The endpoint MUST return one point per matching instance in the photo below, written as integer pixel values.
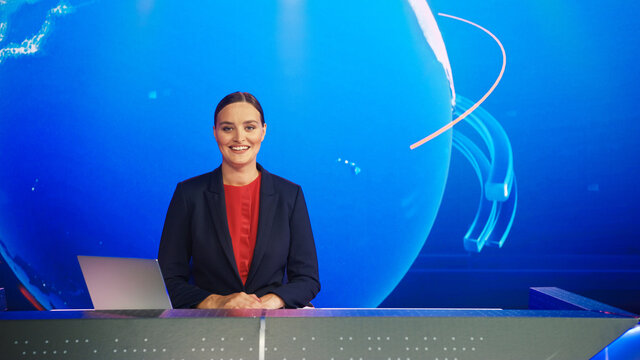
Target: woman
(230, 234)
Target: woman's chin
(237, 162)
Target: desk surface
(301, 313)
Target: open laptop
(124, 283)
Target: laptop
(124, 283)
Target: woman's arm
(302, 262)
(174, 254)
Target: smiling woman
(230, 234)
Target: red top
(243, 207)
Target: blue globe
(115, 107)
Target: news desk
(559, 325)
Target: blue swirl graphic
(498, 198)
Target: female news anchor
(231, 235)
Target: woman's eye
(250, 128)
(227, 128)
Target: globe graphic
(116, 106)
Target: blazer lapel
(218, 211)
(268, 200)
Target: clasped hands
(241, 300)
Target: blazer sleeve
(174, 253)
(303, 281)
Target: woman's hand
(238, 300)
(272, 301)
(241, 300)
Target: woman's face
(239, 133)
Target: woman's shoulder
(199, 182)
(279, 183)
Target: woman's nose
(240, 135)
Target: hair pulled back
(235, 97)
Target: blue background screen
(105, 106)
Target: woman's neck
(238, 176)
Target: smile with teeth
(239, 148)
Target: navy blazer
(196, 253)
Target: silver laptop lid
(124, 283)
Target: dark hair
(235, 97)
